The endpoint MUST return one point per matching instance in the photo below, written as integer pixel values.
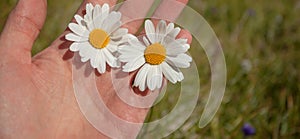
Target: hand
(36, 93)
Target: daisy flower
(159, 54)
(97, 35)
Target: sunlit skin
(36, 93)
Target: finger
(22, 28)
(169, 10)
(134, 12)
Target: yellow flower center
(155, 54)
(99, 38)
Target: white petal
(77, 29)
(186, 46)
(89, 12)
(134, 64)
(90, 26)
(175, 48)
(160, 30)
(111, 22)
(151, 83)
(170, 27)
(89, 8)
(129, 57)
(95, 60)
(119, 33)
(154, 77)
(79, 19)
(73, 37)
(105, 8)
(147, 43)
(170, 73)
(114, 27)
(88, 52)
(150, 31)
(112, 48)
(134, 42)
(75, 47)
(181, 61)
(97, 16)
(140, 79)
(174, 32)
(84, 59)
(110, 59)
(159, 78)
(128, 53)
(102, 64)
(126, 38)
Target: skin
(36, 93)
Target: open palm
(36, 93)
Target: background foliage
(261, 42)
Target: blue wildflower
(248, 129)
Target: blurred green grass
(262, 47)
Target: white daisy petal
(134, 64)
(170, 27)
(146, 41)
(89, 12)
(84, 59)
(75, 38)
(95, 60)
(114, 27)
(110, 59)
(126, 38)
(150, 31)
(174, 32)
(89, 8)
(186, 46)
(154, 77)
(140, 79)
(97, 16)
(181, 61)
(160, 30)
(129, 49)
(112, 48)
(159, 78)
(77, 29)
(79, 19)
(75, 47)
(90, 25)
(105, 8)
(119, 33)
(112, 22)
(88, 52)
(174, 48)
(126, 55)
(172, 75)
(102, 64)
(134, 42)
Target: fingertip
(22, 28)
(185, 34)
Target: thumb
(22, 28)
